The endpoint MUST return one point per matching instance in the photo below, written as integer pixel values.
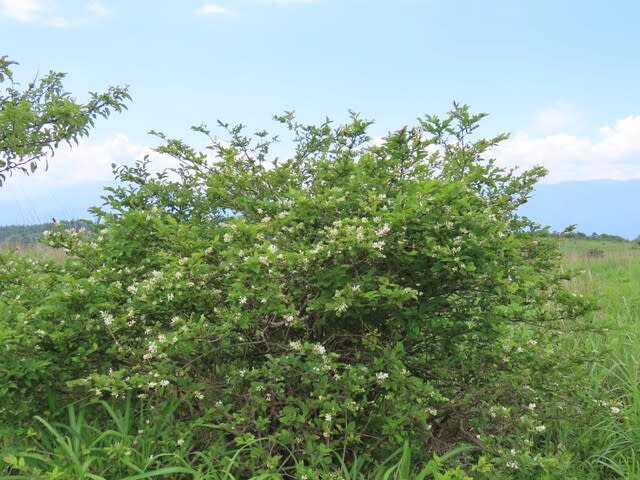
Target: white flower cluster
(384, 230)
(107, 318)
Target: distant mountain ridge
(31, 234)
(602, 206)
(62, 203)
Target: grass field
(610, 272)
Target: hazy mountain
(603, 206)
(64, 203)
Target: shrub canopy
(342, 299)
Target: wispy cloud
(97, 9)
(51, 13)
(558, 117)
(288, 2)
(87, 162)
(612, 154)
(213, 9)
(21, 10)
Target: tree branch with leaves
(36, 120)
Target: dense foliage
(36, 120)
(343, 302)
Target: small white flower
(540, 428)
(384, 230)
(355, 288)
(532, 342)
(242, 300)
(264, 260)
(164, 383)
(382, 376)
(328, 417)
(199, 395)
(227, 237)
(378, 245)
(341, 308)
(532, 406)
(513, 465)
(272, 248)
(180, 442)
(615, 410)
(107, 318)
(319, 349)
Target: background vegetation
(29, 235)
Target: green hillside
(25, 235)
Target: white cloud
(86, 162)
(51, 14)
(212, 9)
(21, 10)
(97, 9)
(613, 154)
(57, 21)
(288, 2)
(558, 117)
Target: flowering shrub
(343, 299)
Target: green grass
(610, 272)
(38, 251)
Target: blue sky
(561, 76)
